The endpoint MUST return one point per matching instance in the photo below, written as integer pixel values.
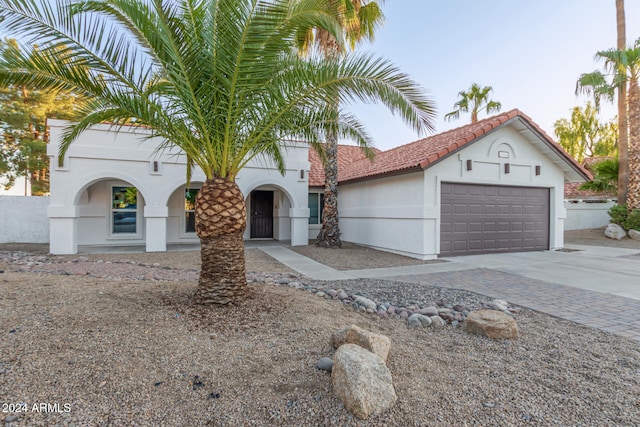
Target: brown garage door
(478, 219)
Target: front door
(262, 214)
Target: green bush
(627, 220)
(618, 214)
(632, 222)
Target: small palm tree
(216, 79)
(605, 177)
(474, 100)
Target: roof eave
(405, 171)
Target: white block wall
(583, 215)
(24, 219)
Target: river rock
(614, 231)
(634, 234)
(491, 324)
(365, 302)
(437, 321)
(375, 343)
(428, 311)
(362, 381)
(325, 364)
(417, 320)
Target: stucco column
(299, 226)
(63, 229)
(156, 228)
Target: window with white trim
(124, 210)
(190, 195)
(316, 205)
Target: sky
(530, 52)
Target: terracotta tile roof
(418, 155)
(424, 152)
(571, 192)
(347, 154)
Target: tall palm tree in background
(623, 66)
(623, 117)
(474, 100)
(217, 79)
(599, 86)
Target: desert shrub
(618, 214)
(632, 222)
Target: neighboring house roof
(572, 192)
(572, 189)
(423, 153)
(347, 154)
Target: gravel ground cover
(117, 343)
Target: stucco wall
(385, 213)
(24, 219)
(583, 215)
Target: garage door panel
(460, 227)
(490, 209)
(475, 245)
(485, 219)
(460, 245)
(460, 209)
(503, 244)
(475, 227)
(504, 226)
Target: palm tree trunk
(329, 235)
(221, 218)
(633, 194)
(623, 124)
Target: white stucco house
(493, 186)
(115, 189)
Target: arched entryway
(268, 213)
(261, 214)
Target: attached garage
(496, 185)
(479, 219)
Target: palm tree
(216, 79)
(474, 100)
(625, 67)
(623, 114)
(605, 177)
(598, 85)
(359, 20)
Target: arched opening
(268, 209)
(110, 213)
(181, 220)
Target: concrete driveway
(601, 269)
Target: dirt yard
(120, 351)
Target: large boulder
(362, 381)
(634, 234)
(614, 231)
(375, 343)
(492, 324)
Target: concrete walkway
(303, 265)
(591, 285)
